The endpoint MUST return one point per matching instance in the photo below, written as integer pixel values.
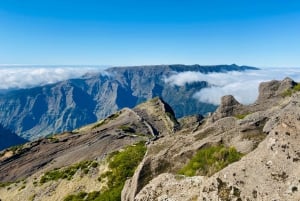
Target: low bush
(122, 165)
(241, 116)
(210, 160)
(289, 92)
(68, 173)
(127, 129)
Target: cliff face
(67, 105)
(259, 145)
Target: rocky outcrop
(270, 94)
(269, 172)
(264, 136)
(274, 89)
(229, 106)
(159, 116)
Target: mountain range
(239, 152)
(64, 106)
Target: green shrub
(241, 116)
(99, 124)
(127, 129)
(16, 149)
(289, 92)
(80, 196)
(68, 173)
(122, 165)
(297, 87)
(114, 116)
(105, 121)
(171, 116)
(53, 139)
(210, 160)
(4, 184)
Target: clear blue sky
(115, 32)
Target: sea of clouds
(18, 77)
(242, 85)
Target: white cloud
(16, 77)
(242, 85)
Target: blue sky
(115, 32)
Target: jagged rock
(274, 88)
(270, 94)
(228, 107)
(275, 158)
(159, 115)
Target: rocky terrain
(40, 111)
(240, 152)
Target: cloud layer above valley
(242, 85)
(14, 77)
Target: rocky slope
(36, 112)
(267, 134)
(249, 152)
(26, 164)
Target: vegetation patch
(105, 121)
(210, 160)
(99, 124)
(16, 149)
(171, 117)
(53, 139)
(127, 129)
(122, 165)
(114, 116)
(255, 137)
(4, 184)
(241, 116)
(68, 173)
(289, 92)
(2, 153)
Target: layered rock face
(37, 112)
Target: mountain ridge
(66, 105)
(265, 137)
